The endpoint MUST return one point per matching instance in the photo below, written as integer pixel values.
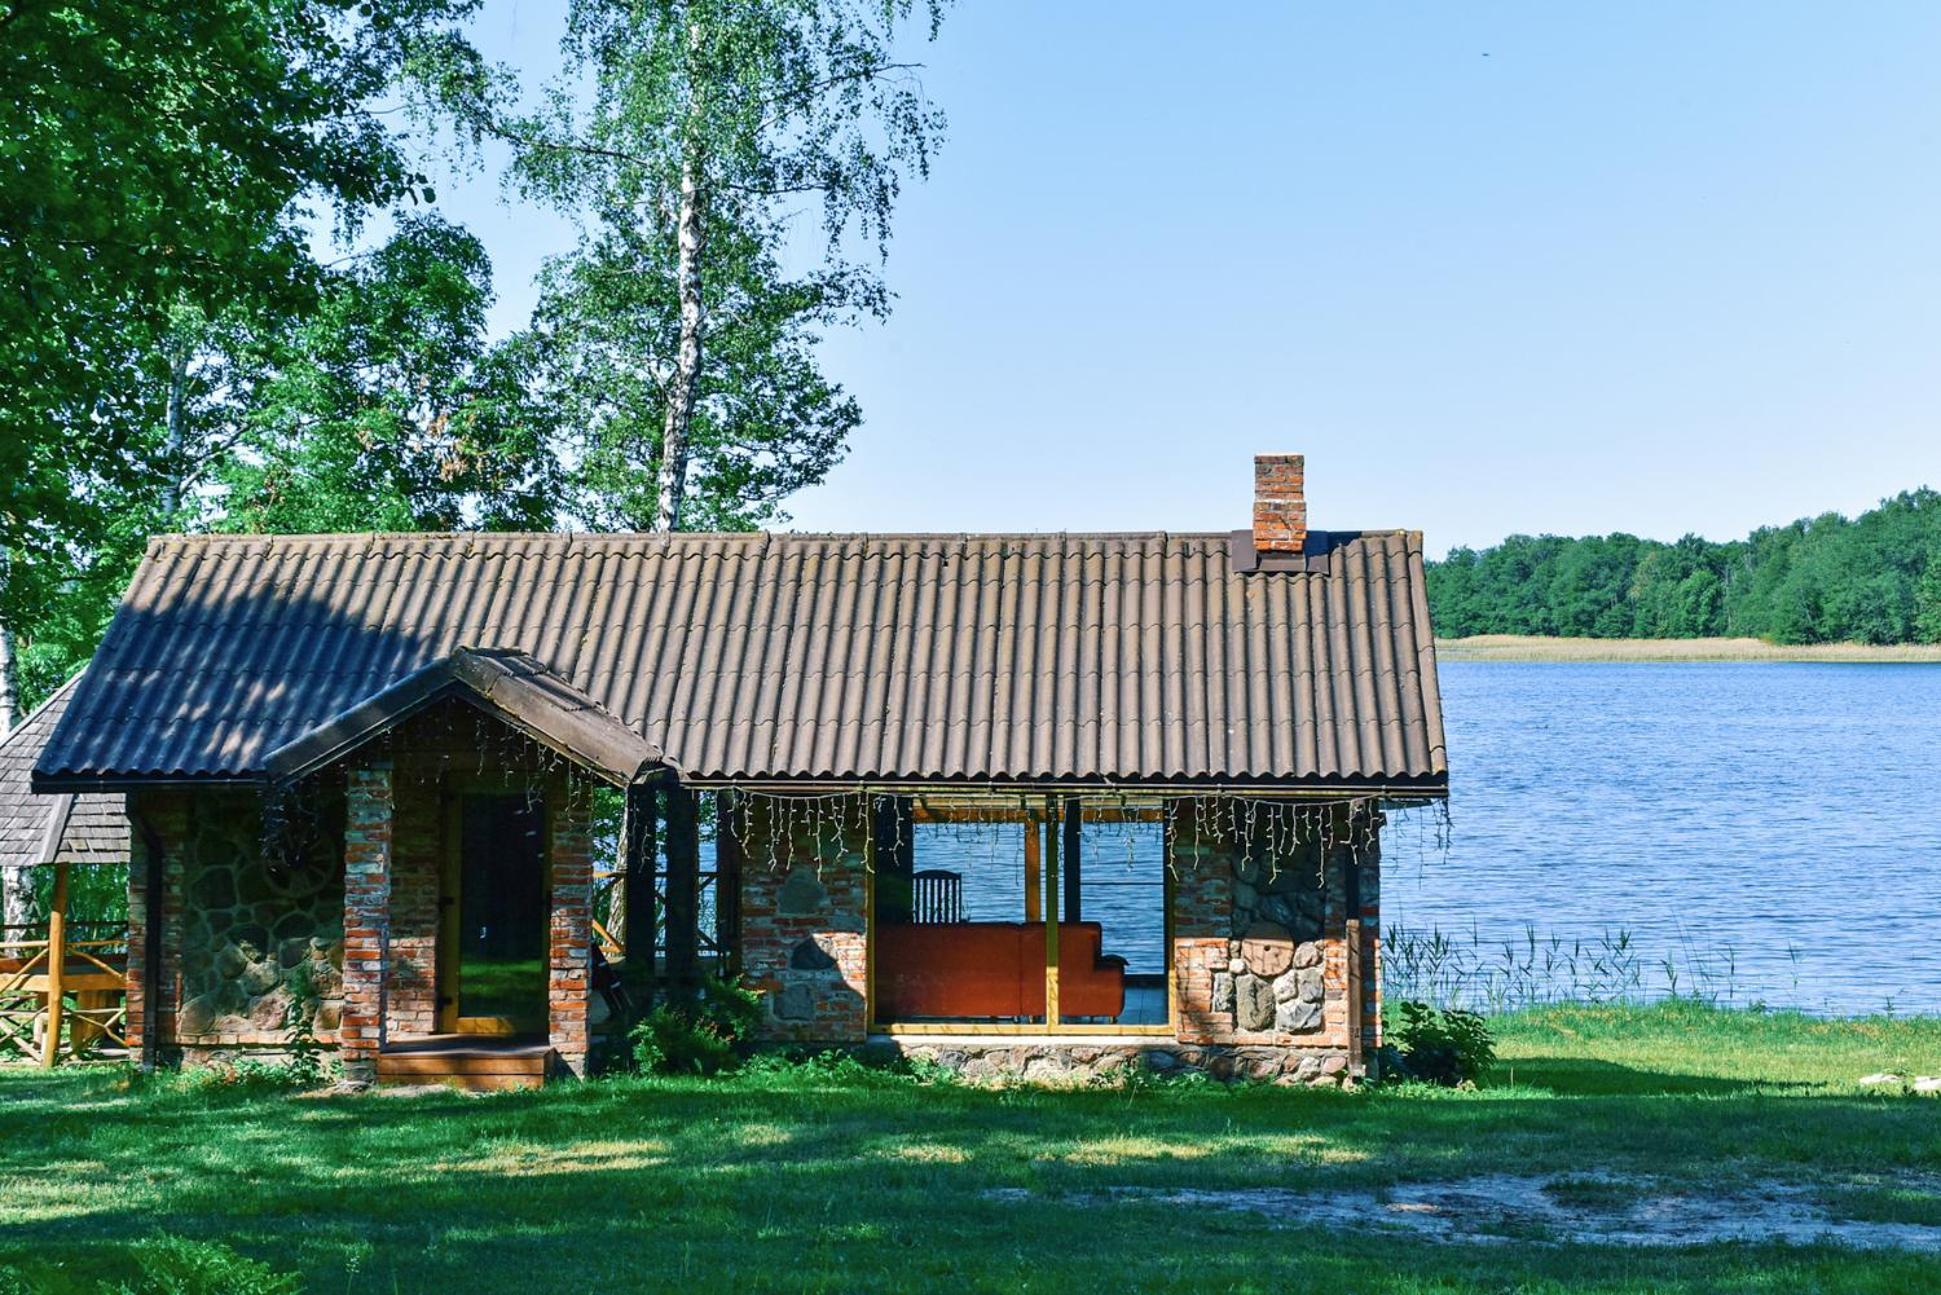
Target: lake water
(1761, 831)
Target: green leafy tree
(162, 167)
(679, 337)
(162, 157)
(387, 409)
(1927, 601)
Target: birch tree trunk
(9, 682)
(172, 450)
(687, 361)
(16, 884)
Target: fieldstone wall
(255, 941)
(1074, 1061)
(804, 906)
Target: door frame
(451, 872)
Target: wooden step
(470, 1062)
(465, 1083)
(477, 1063)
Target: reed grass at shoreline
(1535, 647)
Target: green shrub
(700, 1037)
(1448, 1046)
(172, 1265)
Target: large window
(1019, 916)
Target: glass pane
(1112, 932)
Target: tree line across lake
(1875, 578)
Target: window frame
(1043, 821)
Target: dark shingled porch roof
(96, 829)
(1139, 660)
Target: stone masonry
(252, 941)
(804, 901)
(1261, 936)
(348, 941)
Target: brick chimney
(1280, 504)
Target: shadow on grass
(1586, 1077)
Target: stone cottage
(1040, 804)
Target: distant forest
(1875, 578)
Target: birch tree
(714, 128)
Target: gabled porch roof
(508, 684)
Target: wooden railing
(39, 976)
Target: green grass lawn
(801, 1182)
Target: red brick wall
(367, 886)
(167, 815)
(417, 859)
(569, 983)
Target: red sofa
(992, 969)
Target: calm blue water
(1757, 832)
(1771, 831)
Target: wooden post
(1356, 1067)
(683, 891)
(1034, 897)
(637, 864)
(1071, 823)
(1052, 916)
(728, 852)
(50, 1048)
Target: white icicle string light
(1278, 829)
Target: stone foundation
(1074, 1062)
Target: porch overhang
(507, 683)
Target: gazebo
(49, 961)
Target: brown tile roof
(1142, 659)
(97, 826)
(505, 682)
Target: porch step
(466, 1061)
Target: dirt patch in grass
(1582, 1209)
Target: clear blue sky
(1493, 267)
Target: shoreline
(1535, 647)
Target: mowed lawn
(809, 1182)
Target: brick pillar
(367, 903)
(569, 983)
